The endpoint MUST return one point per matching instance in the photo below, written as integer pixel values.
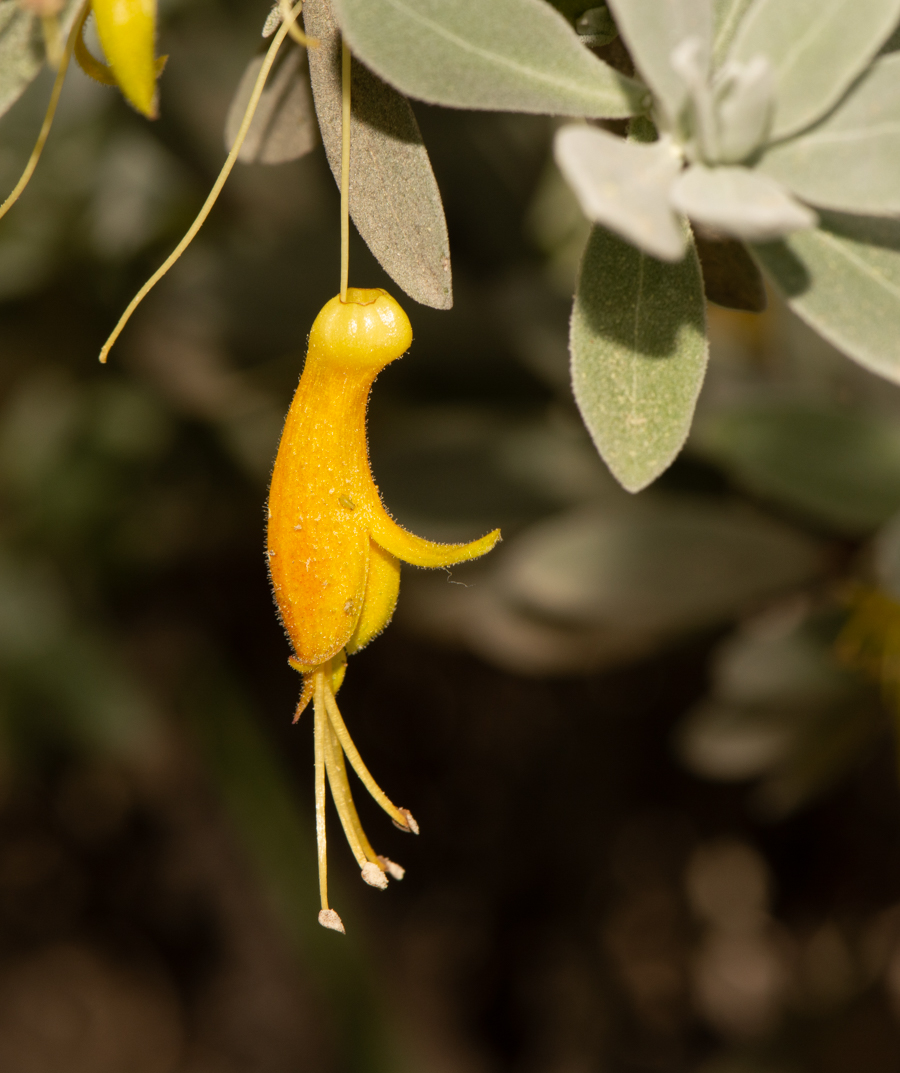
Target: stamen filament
(321, 721)
(343, 799)
(345, 168)
(356, 761)
(51, 111)
(217, 186)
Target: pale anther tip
(411, 824)
(394, 870)
(328, 918)
(374, 876)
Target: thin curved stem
(217, 186)
(25, 178)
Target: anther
(394, 870)
(328, 918)
(374, 876)
(411, 825)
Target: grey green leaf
(638, 343)
(843, 279)
(652, 29)
(851, 160)
(506, 55)
(739, 202)
(817, 49)
(838, 467)
(21, 51)
(624, 185)
(394, 198)
(284, 126)
(653, 565)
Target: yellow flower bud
(127, 32)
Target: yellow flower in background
(334, 551)
(127, 33)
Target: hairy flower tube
(334, 552)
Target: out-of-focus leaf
(624, 186)
(843, 279)
(730, 275)
(816, 47)
(739, 202)
(652, 30)
(638, 342)
(284, 127)
(849, 161)
(596, 28)
(394, 198)
(507, 55)
(743, 102)
(727, 15)
(886, 556)
(839, 467)
(658, 565)
(21, 51)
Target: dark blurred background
(660, 819)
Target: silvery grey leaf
(744, 103)
(394, 198)
(727, 15)
(624, 185)
(284, 126)
(653, 29)
(697, 126)
(22, 47)
(503, 55)
(21, 51)
(273, 20)
(638, 342)
(740, 203)
(843, 279)
(817, 49)
(730, 275)
(851, 160)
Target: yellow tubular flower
(127, 32)
(334, 552)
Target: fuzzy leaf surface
(843, 279)
(624, 185)
(817, 48)
(638, 343)
(505, 55)
(21, 51)
(739, 202)
(851, 160)
(284, 126)
(394, 198)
